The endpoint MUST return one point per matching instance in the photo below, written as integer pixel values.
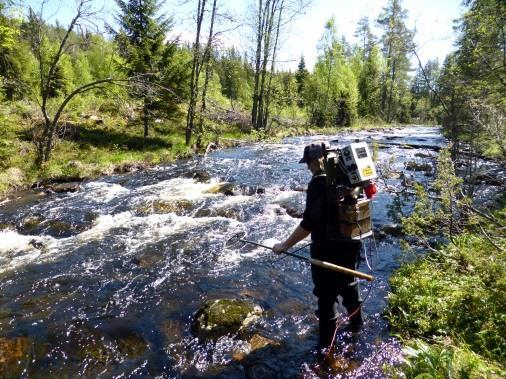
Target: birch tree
(49, 60)
(271, 17)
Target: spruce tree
(300, 77)
(397, 43)
(146, 56)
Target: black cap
(315, 150)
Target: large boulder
(220, 317)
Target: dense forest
(65, 83)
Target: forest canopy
(132, 69)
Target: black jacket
(318, 215)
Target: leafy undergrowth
(449, 307)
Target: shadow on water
(112, 288)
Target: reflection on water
(105, 281)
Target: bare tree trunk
(263, 72)
(47, 71)
(206, 62)
(273, 62)
(145, 117)
(390, 93)
(258, 54)
(195, 74)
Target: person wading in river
(344, 252)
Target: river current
(105, 281)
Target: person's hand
(279, 248)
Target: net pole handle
(341, 269)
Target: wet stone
(148, 259)
(251, 190)
(227, 189)
(131, 345)
(416, 166)
(86, 343)
(64, 187)
(199, 176)
(179, 207)
(220, 317)
(256, 342)
(392, 230)
(231, 213)
(39, 245)
(29, 223)
(5, 226)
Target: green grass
(449, 307)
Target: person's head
(313, 156)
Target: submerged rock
(173, 331)
(29, 223)
(148, 259)
(220, 317)
(15, 355)
(131, 345)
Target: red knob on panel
(370, 190)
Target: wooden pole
(319, 263)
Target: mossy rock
(224, 316)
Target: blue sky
(433, 20)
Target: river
(105, 281)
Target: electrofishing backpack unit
(350, 172)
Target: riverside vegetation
(75, 104)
